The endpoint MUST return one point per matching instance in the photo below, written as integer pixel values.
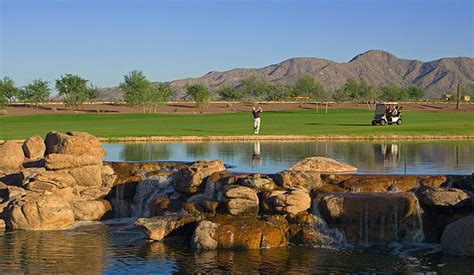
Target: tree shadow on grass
(337, 124)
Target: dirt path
(214, 108)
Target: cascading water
(330, 237)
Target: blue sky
(102, 40)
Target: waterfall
(330, 237)
(120, 206)
(146, 191)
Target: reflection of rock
(458, 237)
(34, 147)
(40, 212)
(372, 217)
(189, 179)
(323, 165)
(237, 233)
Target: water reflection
(104, 248)
(270, 157)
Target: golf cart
(387, 113)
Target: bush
(200, 94)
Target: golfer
(256, 119)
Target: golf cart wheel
(382, 122)
(399, 122)
(374, 122)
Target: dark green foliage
(254, 88)
(36, 92)
(231, 93)
(393, 93)
(8, 90)
(93, 93)
(415, 93)
(306, 86)
(200, 94)
(278, 92)
(73, 88)
(359, 91)
(139, 91)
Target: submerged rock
(458, 237)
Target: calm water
(116, 246)
(270, 157)
(110, 248)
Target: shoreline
(278, 138)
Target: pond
(449, 158)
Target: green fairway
(350, 122)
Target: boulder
(385, 183)
(189, 179)
(90, 210)
(157, 228)
(11, 156)
(442, 206)
(323, 165)
(296, 179)
(65, 161)
(292, 201)
(34, 147)
(237, 233)
(74, 143)
(161, 205)
(58, 179)
(241, 200)
(372, 217)
(87, 175)
(458, 237)
(432, 196)
(39, 213)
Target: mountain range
(376, 67)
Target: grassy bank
(345, 122)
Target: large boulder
(291, 201)
(34, 147)
(74, 143)
(296, 179)
(458, 237)
(241, 200)
(442, 206)
(157, 228)
(323, 165)
(40, 213)
(189, 179)
(372, 217)
(257, 182)
(11, 156)
(238, 233)
(90, 175)
(65, 161)
(54, 179)
(384, 183)
(90, 210)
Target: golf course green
(338, 122)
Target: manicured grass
(301, 122)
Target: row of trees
(73, 88)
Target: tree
(230, 93)
(158, 96)
(135, 88)
(93, 93)
(277, 92)
(306, 86)
(73, 88)
(254, 87)
(359, 91)
(3, 99)
(340, 96)
(393, 93)
(36, 92)
(200, 94)
(415, 93)
(8, 89)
